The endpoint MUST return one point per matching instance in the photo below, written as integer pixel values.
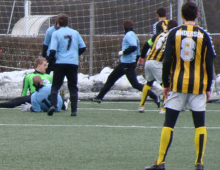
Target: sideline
(97, 126)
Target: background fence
(23, 24)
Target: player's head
(161, 12)
(189, 11)
(128, 25)
(57, 25)
(171, 24)
(37, 82)
(40, 64)
(63, 20)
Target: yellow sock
(144, 94)
(200, 143)
(165, 142)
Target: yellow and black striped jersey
(160, 26)
(156, 52)
(188, 60)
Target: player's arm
(210, 55)
(167, 61)
(159, 28)
(52, 54)
(46, 43)
(147, 46)
(54, 44)
(25, 86)
(130, 49)
(132, 46)
(82, 45)
(44, 51)
(82, 50)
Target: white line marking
(126, 110)
(123, 110)
(99, 126)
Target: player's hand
(208, 94)
(166, 92)
(140, 62)
(51, 60)
(26, 107)
(120, 53)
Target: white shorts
(153, 70)
(181, 101)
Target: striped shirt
(188, 60)
(160, 26)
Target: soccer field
(106, 136)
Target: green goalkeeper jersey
(28, 82)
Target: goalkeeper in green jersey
(40, 66)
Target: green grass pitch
(106, 136)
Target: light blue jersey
(47, 38)
(66, 42)
(130, 39)
(40, 100)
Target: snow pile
(11, 85)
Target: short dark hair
(171, 24)
(128, 24)
(63, 20)
(162, 12)
(189, 11)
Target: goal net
(23, 25)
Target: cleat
(199, 167)
(51, 110)
(96, 99)
(66, 103)
(74, 113)
(162, 110)
(156, 167)
(141, 109)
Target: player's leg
(197, 103)
(145, 92)
(166, 138)
(129, 70)
(174, 104)
(149, 75)
(156, 71)
(58, 77)
(112, 78)
(72, 79)
(150, 79)
(163, 109)
(16, 102)
(167, 133)
(200, 136)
